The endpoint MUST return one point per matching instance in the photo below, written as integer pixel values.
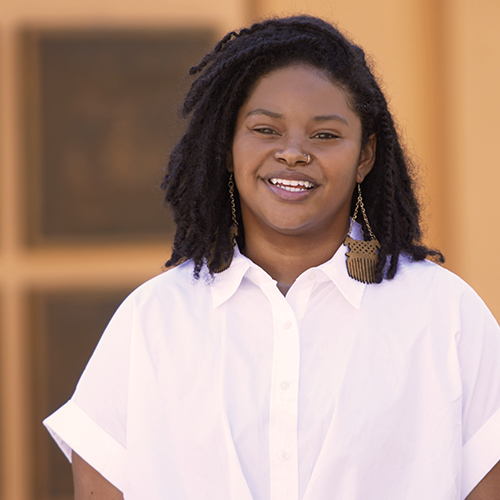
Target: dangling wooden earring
(234, 229)
(362, 256)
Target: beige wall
(472, 178)
(439, 62)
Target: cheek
(239, 154)
(344, 168)
(246, 162)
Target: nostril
(293, 157)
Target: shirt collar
(225, 284)
(336, 270)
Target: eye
(325, 135)
(265, 131)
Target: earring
(234, 229)
(362, 256)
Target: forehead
(299, 88)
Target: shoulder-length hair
(196, 180)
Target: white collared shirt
(226, 389)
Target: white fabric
(229, 390)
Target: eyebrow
(279, 116)
(325, 118)
(261, 111)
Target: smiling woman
(270, 361)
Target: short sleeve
(94, 422)
(479, 355)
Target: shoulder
(425, 290)
(174, 284)
(171, 293)
(428, 277)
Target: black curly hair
(196, 180)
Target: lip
(290, 175)
(290, 196)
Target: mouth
(293, 186)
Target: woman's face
(293, 112)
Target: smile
(294, 186)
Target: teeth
(292, 185)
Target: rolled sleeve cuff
(480, 454)
(72, 429)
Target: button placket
(284, 406)
(284, 385)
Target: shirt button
(284, 456)
(312, 276)
(287, 325)
(284, 386)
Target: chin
(295, 230)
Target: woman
(320, 357)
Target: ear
(229, 162)
(366, 158)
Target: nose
(292, 156)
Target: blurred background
(89, 91)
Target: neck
(286, 257)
